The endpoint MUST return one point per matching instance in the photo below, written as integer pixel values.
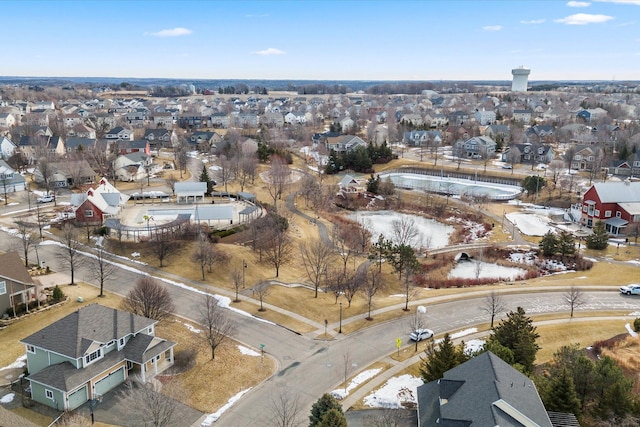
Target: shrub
(57, 294)
(100, 231)
(185, 359)
(636, 324)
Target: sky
(322, 40)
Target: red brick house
(617, 204)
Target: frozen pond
(432, 234)
(469, 269)
(453, 186)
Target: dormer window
(92, 357)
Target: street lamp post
(340, 328)
(244, 267)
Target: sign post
(398, 344)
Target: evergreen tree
(613, 389)
(321, 407)
(533, 184)
(561, 394)
(439, 360)
(518, 334)
(499, 350)
(373, 183)
(549, 244)
(600, 237)
(204, 177)
(333, 418)
(566, 244)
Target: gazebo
(186, 191)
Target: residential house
(484, 117)
(483, 391)
(163, 119)
(617, 204)
(423, 138)
(530, 153)
(70, 173)
(134, 146)
(219, 120)
(81, 131)
(586, 158)
(71, 120)
(350, 185)
(79, 144)
(344, 143)
(244, 120)
(31, 146)
(35, 119)
(132, 166)
(412, 119)
(539, 133)
(16, 285)
(159, 137)
(205, 141)
(346, 124)
(97, 204)
(192, 121)
(439, 120)
(295, 117)
(119, 134)
(591, 114)
(628, 168)
(91, 351)
(272, 119)
(7, 148)
(498, 132)
(522, 116)
(477, 147)
(10, 180)
(137, 118)
(7, 120)
(458, 118)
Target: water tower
(520, 77)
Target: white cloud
(584, 19)
(533, 22)
(492, 28)
(269, 51)
(172, 32)
(633, 2)
(578, 4)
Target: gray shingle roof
(72, 335)
(492, 393)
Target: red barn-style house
(95, 205)
(617, 204)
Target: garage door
(110, 381)
(77, 398)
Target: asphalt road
(308, 367)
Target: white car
(630, 289)
(45, 199)
(421, 334)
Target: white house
(7, 148)
(485, 117)
(7, 120)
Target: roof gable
(12, 267)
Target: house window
(3, 287)
(584, 208)
(591, 158)
(577, 157)
(48, 394)
(597, 213)
(121, 342)
(92, 357)
(157, 358)
(590, 211)
(618, 214)
(150, 330)
(88, 213)
(607, 214)
(31, 349)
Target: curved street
(308, 367)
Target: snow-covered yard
(484, 270)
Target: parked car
(45, 199)
(421, 334)
(507, 167)
(630, 289)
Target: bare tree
(163, 244)
(181, 157)
(218, 327)
(262, 289)
(278, 177)
(478, 264)
(150, 299)
(203, 252)
(353, 283)
(26, 240)
(147, 406)
(68, 254)
(372, 284)
(103, 270)
(574, 298)
(171, 181)
(363, 237)
(493, 304)
(316, 256)
(278, 245)
(513, 157)
(343, 240)
(405, 232)
(335, 282)
(285, 409)
(417, 321)
(236, 277)
(384, 418)
(225, 171)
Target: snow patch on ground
(355, 382)
(20, 362)
(247, 351)
(7, 398)
(394, 392)
(473, 346)
(192, 329)
(212, 418)
(530, 224)
(630, 330)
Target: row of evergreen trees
(361, 159)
